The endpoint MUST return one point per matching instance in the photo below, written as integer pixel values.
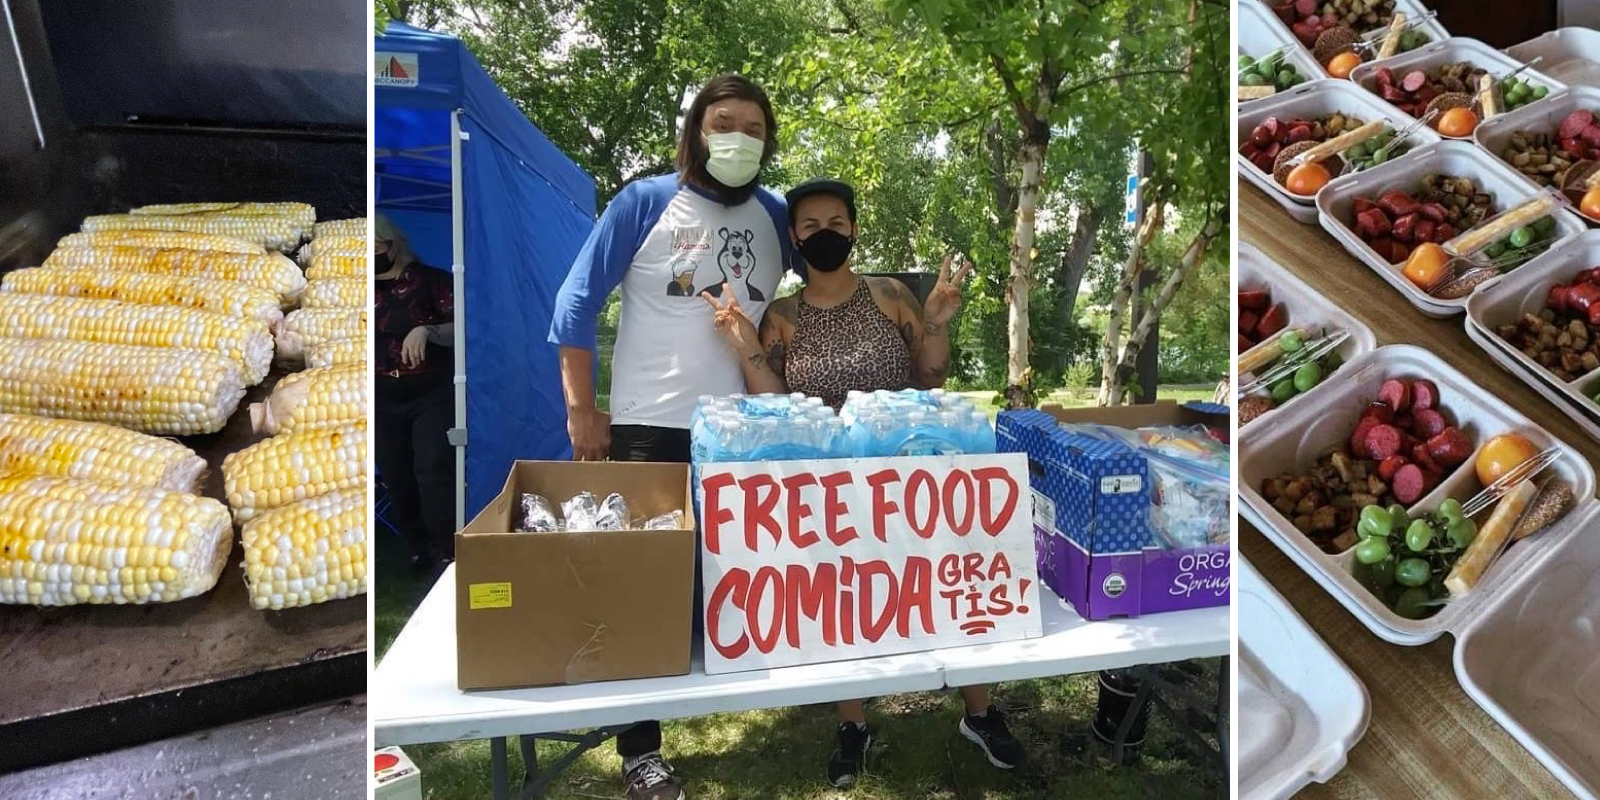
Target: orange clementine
(1458, 122)
(1425, 266)
(1502, 454)
(1307, 178)
(1343, 64)
(1590, 206)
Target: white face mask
(734, 158)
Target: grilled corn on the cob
(157, 390)
(274, 233)
(316, 398)
(307, 327)
(355, 226)
(91, 451)
(302, 213)
(335, 352)
(233, 298)
(268, 270)
(335, 293)
(339, 245)
(36, 316)
(65, 541)
(161, 240)
(309, 551)
(336, 265)
(283, 469)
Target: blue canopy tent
(478, 188)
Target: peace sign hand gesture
(730, 321)
(945, 298)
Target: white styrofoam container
(1571, 55)
(1302, 434)
(1541, 117)
(1524, 292)
(1412, 8)
(1335, 204)
(1309, 100)
(1306, 307)
(1450, 51)
(1532, 660)
(1260, 33)
(1300, 708)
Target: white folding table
(413, 697)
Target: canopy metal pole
(458, 244)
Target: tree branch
(1018, 104)
(1074, 88)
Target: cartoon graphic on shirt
(682, 283)
(738, 261)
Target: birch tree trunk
(1192, 256)
(1119, 301)
(1035, 146)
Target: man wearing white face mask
(664, 241)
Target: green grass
(781, 753)
(1085, 396)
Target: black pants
(416, 462)
(646, 443)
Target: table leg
(535, 780)
(531, 788)
(499, 770)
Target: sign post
(813, 561)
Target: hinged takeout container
(1307, 308)
(1556, 716)
(1450, 51)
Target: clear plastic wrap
(1188, 500)
(535, 514)
(672, 520)
(586, 513)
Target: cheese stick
(1469, 569)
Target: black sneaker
(650, 777)
(850, 756)
(990, 733)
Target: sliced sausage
(1410, 484)
(1383, 441)
(1389, 466)
(1450, 447)
(1395, 394)
(1428, 423)
(1424, 395)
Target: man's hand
(414, 350)
(945, 298)
(590, 431)
(730, 321)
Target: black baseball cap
(837, 188)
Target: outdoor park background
(1003, 131)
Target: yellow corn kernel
(160, 240)
(92, 451)
(308, 551)
(282, 469)
(355, 226)
(338, 266)
(232, 298)
(336, 293)
(309, 327)
(316, 398)
(337, 352)
(272, 232)
(272, 271)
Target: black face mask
(382, 263)
(826, 250)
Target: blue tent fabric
(527, 210)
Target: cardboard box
(1092, 534)
(536, 609)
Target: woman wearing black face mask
(843, 331)
(414, 399)
(846, 332)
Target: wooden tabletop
(1427, 739)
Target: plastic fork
(1308, 353)
(1527, 470)
(1388, 147)
(1365, 45)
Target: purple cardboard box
(1092, 515)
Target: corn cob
(35, 316)
(64, 542)
(337, 352)
(161, 240)
(316, 398)
(335, 293)
(91, 451)
(273, 233)
(355, 226)
(309, 551)
(232, 298)
(307, 327)
(337, 266)
(283, 469)
(268, 270)
(156, 390)
(302, 213)
(344, 245)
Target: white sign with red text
(812, 561)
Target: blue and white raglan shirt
(665, 242)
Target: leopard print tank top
(853, 345)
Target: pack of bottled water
(870, 424)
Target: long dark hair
(691, 160)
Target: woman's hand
(730, 321)
(414, 350)
(945, 298)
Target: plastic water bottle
(982, 433)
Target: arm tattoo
(776, 357)
(758, 360)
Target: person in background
(663, 240)
(844, 332)
(414, 401)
